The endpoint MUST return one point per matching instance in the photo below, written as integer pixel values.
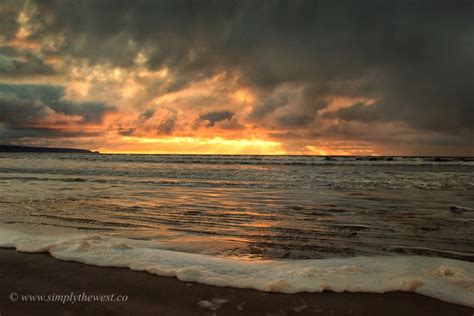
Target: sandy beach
(31, 274)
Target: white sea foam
(445, 279)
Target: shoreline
(40, 273)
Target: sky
(239, 77)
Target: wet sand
(154, 295)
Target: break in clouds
(315, 76)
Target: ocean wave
(409, 181)
(445, 279)
(255, 160)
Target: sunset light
(236, 157)
(196, 145)
(261, 85)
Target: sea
(273, 223)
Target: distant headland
(28, 149)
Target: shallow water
(271, 207)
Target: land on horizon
(30, 149)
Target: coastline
(40, 273)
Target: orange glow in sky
(164, 84)
(196, 145)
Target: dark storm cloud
(18, 65)
(8, 12)
(145, 115)
(214, 117)
(25, 108)
(294, 120)
(267, 106)
(167, 126)
(147, 123)
(291, 109)
(415, 59)
(360, 112)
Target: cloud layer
(338, 76)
